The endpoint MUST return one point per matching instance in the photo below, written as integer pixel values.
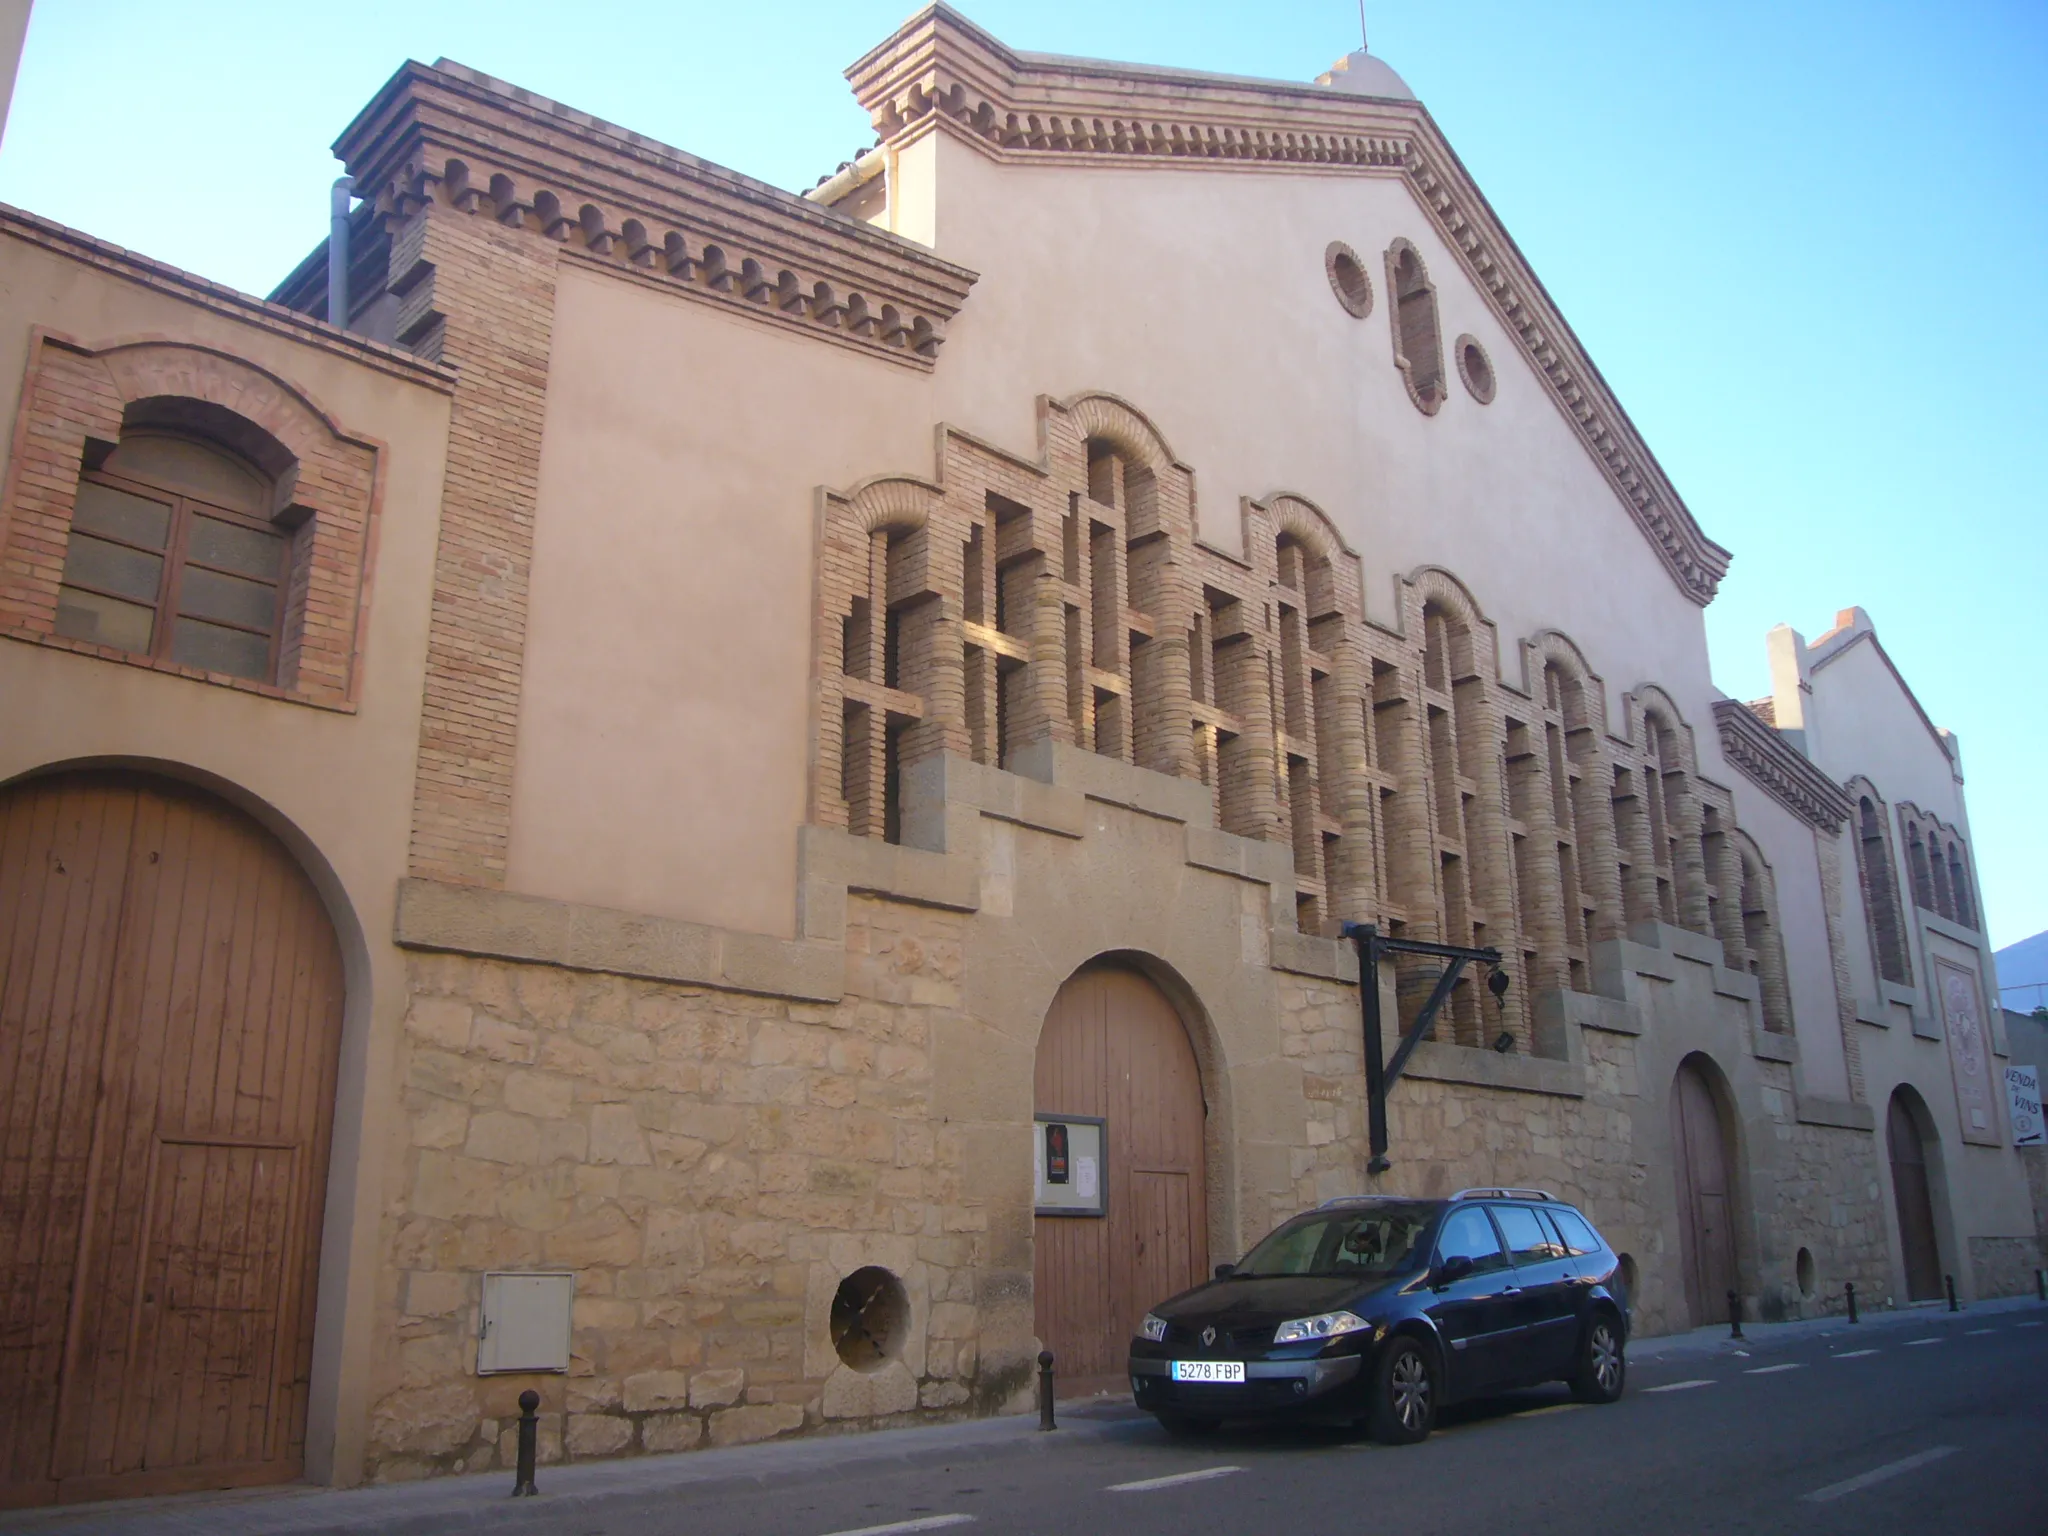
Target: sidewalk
(588, 1488)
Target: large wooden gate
(170, 1014)
(1114, 1046)
(1706, 1196)
(1910, 1192)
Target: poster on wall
(1969, 1052)
(2023, 1098)
(1069, 1160)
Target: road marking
(1148, 1484)
(1975, 1332)
(2026, 1325)
(1914, 1343)
(1772, 1370)
(1854, 1354)
(928, 1523)
(1679, 1386)
(1881, 1474)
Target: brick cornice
(941, 72)
(1774, 766)
(450, 135)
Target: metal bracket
(1380, 1076)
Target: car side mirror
(1452, 1269)
(1225, 1271)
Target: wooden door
(170, 1016)
(1915, 1204)
(1113, 1046)
(1706, 1201)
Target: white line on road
(1911, 1343)
(1854, 1354)
(2026, 1325)
(1679, 1386)
(928, 1523)
(1890, 1469)
(1148, 1484)
(1772, 1370)
(1976, 1332)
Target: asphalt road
(1930, 1423)
(1927, 1430)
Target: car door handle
(1511, 1290)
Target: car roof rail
(1506, 1194)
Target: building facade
(582, 791)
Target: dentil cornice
(1779, 769)
(940, 72)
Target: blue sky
(1803, 241)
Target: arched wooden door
(1910, 1193)
(1114, 1047)
(170, 1014)
(1706, 1197)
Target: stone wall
(710, 1164)
(2004, 1266)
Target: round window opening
(1803, 1267)
(1348, 279)
(870, 1316)
(1476, 369)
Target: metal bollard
(2041, 1283)
(1950, 1282)
(1734, 1315)
(529, 1444)
(1849, 1290)
(1045, 1390)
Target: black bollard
(1849, 1290)
(1045, 1390)
(529, 1443)
(2041, 1283)
(1950, 1282)
(1734, 1315)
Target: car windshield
(1362, 1240)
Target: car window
(1529, 1240)
(1468, 1234)
(1366, 1239)
(1578, 1237)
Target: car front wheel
(1602, 1368)
(1404, 1394)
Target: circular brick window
(1803, 1267)
(1475, 368)
(870, 1316)
(1348, 279)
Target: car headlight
(1153, 1328)
(1324, 1325)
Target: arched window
(174, 554)
(1937, 866)
(1764, 942)
(1916, 861)
(1306, 718)
(1959, 887)
(1418, 342)
(1880, 893)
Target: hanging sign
(1069, 1161)
(2023, 1094)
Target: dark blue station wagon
(1381, 1311)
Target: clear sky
(1804, 240)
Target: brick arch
(1763, 931)
(1553, 647)
(146, 368)
(1651, 705)
(1434, 584)
(891, 502)
(75, 395)
(1123, 426)
(1296, 516)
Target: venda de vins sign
(2023, 1088)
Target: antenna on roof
(1363, 47)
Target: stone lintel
(1868, 1012)
(1839, 1113)
(1767, 1046)
(1443, 1063)
(1307, 955)
(1892, 992)
(470, 920)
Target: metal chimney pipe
(337, 251)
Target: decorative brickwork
(941, 72)
(1009, 603)
(77, 399)
(1779, 769)
(1938, 859)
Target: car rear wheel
(1186, 1426)
(1602, 1369)
(1404, 1394)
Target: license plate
(1208, 1370)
